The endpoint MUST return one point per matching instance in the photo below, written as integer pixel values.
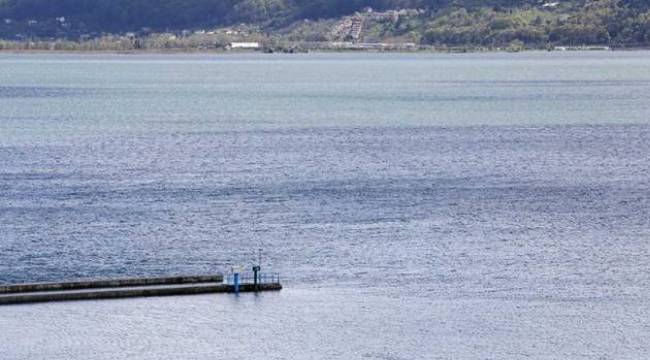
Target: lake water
(489, 206)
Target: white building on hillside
(244, 45)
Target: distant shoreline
(314, 51)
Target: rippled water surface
(418, 206)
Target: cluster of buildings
(349, 28)
(392, 15)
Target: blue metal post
(236, 282)
(257, 277)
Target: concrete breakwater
(114, 283)
(124, 288)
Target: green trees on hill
(122, 15)
(443, 22)
(602, 22)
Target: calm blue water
(417, 206)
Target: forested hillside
(117, 15)
(533, 23)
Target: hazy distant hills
(436, 22)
